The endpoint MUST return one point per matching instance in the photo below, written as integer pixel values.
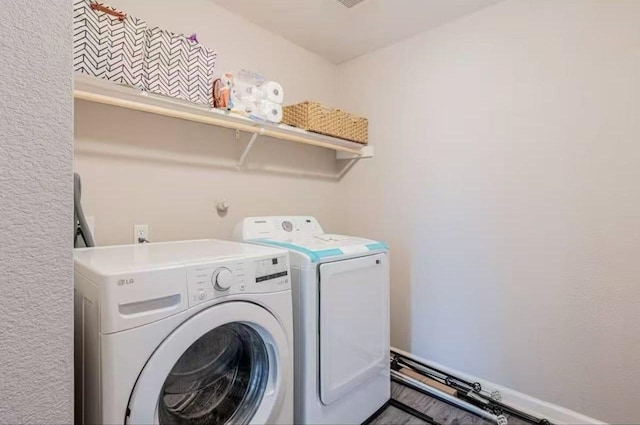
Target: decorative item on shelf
(179, 67)
(221, 92)
(251, 95)
(108, 43)
(315, 117)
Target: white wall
(506, 181)
(139, 168)
(36, 213)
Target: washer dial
(287, 226)
(222, 279)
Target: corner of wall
(36, 330)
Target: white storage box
(107, 43)
(178, 67)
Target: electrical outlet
(140, 233)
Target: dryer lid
(303, 234)
(320, 246)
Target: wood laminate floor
(441, 412)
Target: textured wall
(168, 173)
(36, 315)
(506, 180)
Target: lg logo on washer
(122, 282)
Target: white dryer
(341, 318)
(195, 332)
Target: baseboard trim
(536, 407)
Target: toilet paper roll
(246, 108)
(263, 110)
(246, 93)
(272, 111)
(273, 91)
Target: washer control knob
(222, 279)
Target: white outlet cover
(140, 231)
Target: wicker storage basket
(356, 129)
(315, 117)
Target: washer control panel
(207, 281)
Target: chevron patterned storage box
(178, 67)
(108, 43)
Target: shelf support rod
(349, 166)
(253, 139)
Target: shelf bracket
(365, 152)
(243, 157)
(349, 166)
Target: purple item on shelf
(193, 37)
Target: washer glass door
(228, 364)
(220, 378)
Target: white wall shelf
(101, 91)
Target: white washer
(183, 333)
(341, 318)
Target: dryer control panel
(238, 276)
(279, 228)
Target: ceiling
(338, 33)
